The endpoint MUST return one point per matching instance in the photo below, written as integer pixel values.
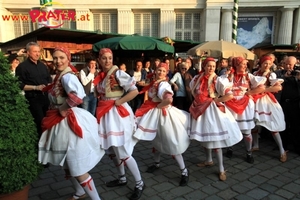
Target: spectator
(290, 102)
(188, 76)
(70, 138)
(140, 76)
(87, 76)
(223, 67)
(178, 84)
(34, 76)
(123, 67)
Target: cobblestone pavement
(266, 178)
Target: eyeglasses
(183, 68)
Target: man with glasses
(178, 84)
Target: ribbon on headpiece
(236, 61)
(68, 54)
(164, 65)
(264, 58)
(105, 50)
(204, 63)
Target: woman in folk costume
(268, 112)
(116, 119)
(70, 136)
(242, 105)
(166, 126)
(212, 124)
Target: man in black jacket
(34, 76)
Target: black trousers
(38, 106)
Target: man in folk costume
(242, 106)
(70, 138)
(116, 121)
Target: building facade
(259, 21)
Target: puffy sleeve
(71, 84)
(126, 82)
(256, 81)
(274, 80)
(223, 86)
(73, 88)
(163, 89)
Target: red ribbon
(238, 106)
(53, 117)
(148, 105)
(258, 96)
(88, 184)
(104, 106)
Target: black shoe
(184, 179)
(152, 168)
(137, 193)
(229, 153)
(115, 183)
(250, 159)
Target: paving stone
(257, 193)
(292, 187)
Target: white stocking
(220, 159)
(181, 164)
(133, 167)
(89, 187)
(79, 190)
(248, 140)
(255, 135)
(208, 153)
(278, 141)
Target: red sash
(148, 105)
(198, 108)
(104, 106)
(53, 117)
(258, 96)
(238, 106)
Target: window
(146, 24)
(106, 22)
(187, 26)
(23, 24)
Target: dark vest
(87, 87)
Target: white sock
(89, 187)
(133, 167)
(277, 139)
(208, 153)
(220, 159)
(120, 168)
(181, 164)
(157, 158)
(248, 140)
(79, 190)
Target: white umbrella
(222, 49)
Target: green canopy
(135, 43)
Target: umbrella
(222, 49)
(134, 43)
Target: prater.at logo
(51, 17)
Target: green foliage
(18, 135)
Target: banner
(254, 30)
